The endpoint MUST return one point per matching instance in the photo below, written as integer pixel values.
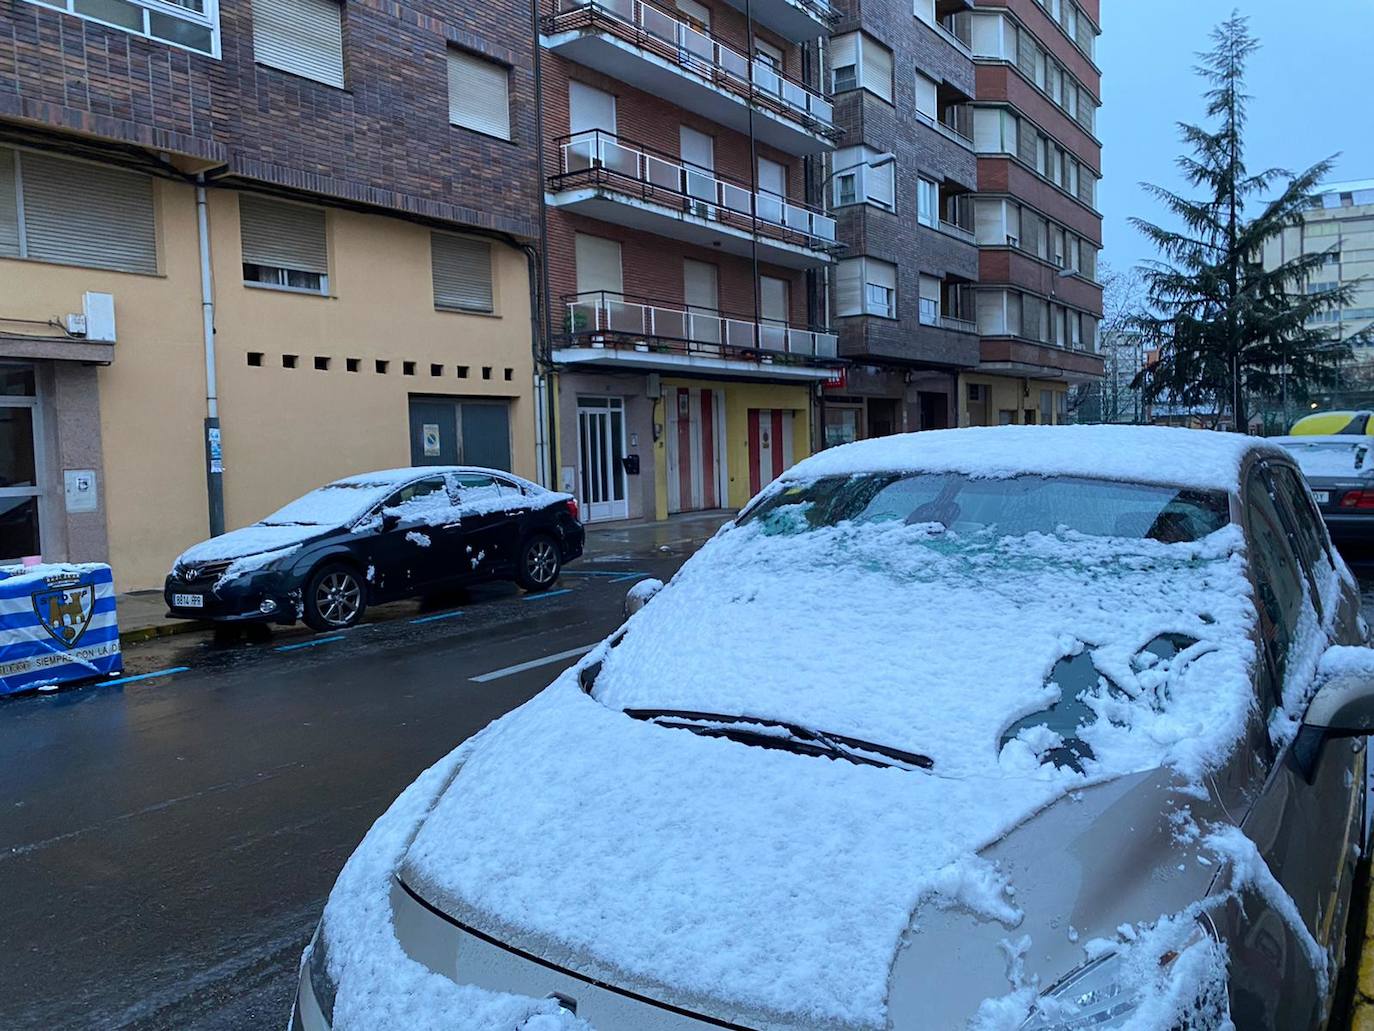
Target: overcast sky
(1311, 84)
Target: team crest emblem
(65, 613)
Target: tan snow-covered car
(1038, 728)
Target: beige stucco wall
(284, 430)
(1008, 393)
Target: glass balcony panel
(822, 109)
(669, 322)
(794, 95)
(624, 317)
(658, 23)
(738, 333)
(823, 226)
(734, 64)
(772, 337)
(767, 79)
(623, 9)
(577, 154)
(770, 207)
(584, 316)
(827, 345)
(620, 159)
(735, 198)
(797, 218)
(701, 185)
(703, 328)
(801, 341)
(664, 174)
(699, 49)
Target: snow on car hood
(768, 887)
(247, 541)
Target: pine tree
(1225, 328)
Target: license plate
(188, 601)
(1321, 496)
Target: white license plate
(1321, 496)
(188, 601)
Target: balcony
(1018, 356)
(609, 178)
(653, 49)
(799, 20)
(634, 332)
(956, 212)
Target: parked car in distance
(1322, 424)
(1035, 728)
(378, 537)
(1340, 473)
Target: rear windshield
(1004, 507)
(1331, 457)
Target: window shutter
(881, 273)
(462, 272)
(1027, 143)
(849, 287)
(9, 206)
(280, 235)
(479, 94)
(877, 71)
(929, 287)
(878, 183)
(87, 215)
(844, 50)
(303, 37)
(926, 103)
(1025, 53)
(598, 264)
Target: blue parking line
(599, 572)
(628, 576)
(308, 644)
(147, 676)
(441, 615)
(548, 594)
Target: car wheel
(335, 598)
(539, 564)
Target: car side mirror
(390, 520)
(638, 596)
(1344, 703)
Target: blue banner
(57, 623)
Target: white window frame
(853, 42)
(855, 164)
(37, 491)
(928, 202)
(886, 309)
(209, 19)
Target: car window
(479, 488)
(1309, 531)
(418, 489)
(1278, 578)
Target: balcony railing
(957, 231)
(601, 318)
(664, 34)
(602, 159)
(958, 325)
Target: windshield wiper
(762, 731)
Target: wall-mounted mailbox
(631, 464)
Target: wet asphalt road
(166, 845)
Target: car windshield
(331, 505)
(1332, 457)
(1009, 507)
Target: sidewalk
(143, 614)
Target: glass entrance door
(20, 462)
(601, 447)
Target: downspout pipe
(214, 462)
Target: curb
(147, 633)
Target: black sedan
(378, 537)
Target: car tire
(335, 597)
(539, 564)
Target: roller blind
(9, 206)
(877, 70)
(926, 90)
(462, 272)
(849, 287)
(479, 94)
(844, 50)
(280, 235)
(598, 264)
(88, 215)
(880, 273)
(303, 37)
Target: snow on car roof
(1141, 454)
(397, 477)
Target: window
(479, 94)
(866, 286)
(20, 463)
(927, 203)
(846, 189)
(283, 245)
(1309, 532)
(75, 213)
(927, 93)
(861, 62)
(929, 313)
(461, 269)
(303, 37)
(1278, 581)
(193, 24)
(859, 181)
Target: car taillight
(572, 507)
(1358, 499)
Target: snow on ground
(1143, 454)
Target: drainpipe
(214, 463)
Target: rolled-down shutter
(304, 37)
(9, 206)
(877, 67)
(281, 235)
(479, 94)
(88, 215)
(849, 290)
(462, 272)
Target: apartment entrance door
(601, 448)
(696, 448)
(770, 445)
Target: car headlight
(321, 984)
(1094, 996)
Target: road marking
(308, 644)
(147, 676)
(441, 615)
(601, 572)
(548, 594)
(628, 576)
(508, 671)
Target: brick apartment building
(685, 258)
(369, 196)
(1036, 222)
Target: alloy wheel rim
(541, 562)
(338, 598)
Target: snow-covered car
(1016, 728)
(1340, 471)
(377, 537)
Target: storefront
(877, 401)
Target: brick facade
(383, 141)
